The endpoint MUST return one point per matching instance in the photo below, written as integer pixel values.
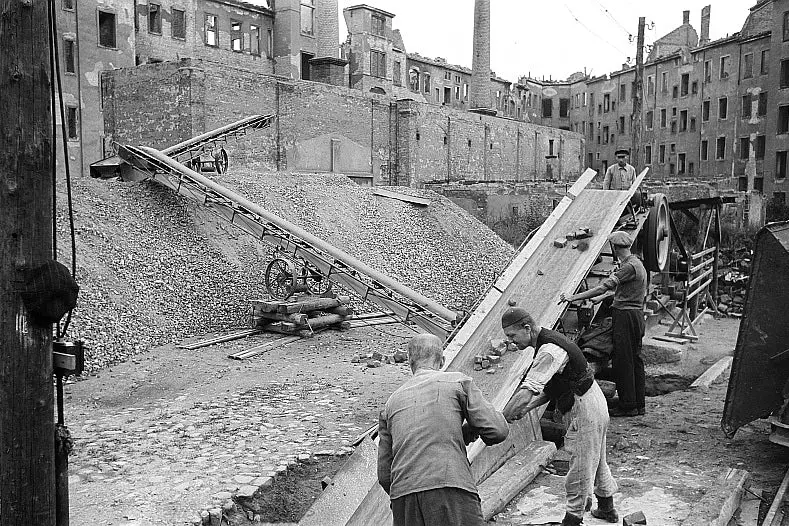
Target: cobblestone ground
(175, 432)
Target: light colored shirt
(549, 360)
(629, 284)
(619, 177)
(422, 440)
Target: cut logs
(303, 315)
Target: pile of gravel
(155, 268)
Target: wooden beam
(712, 374)
(690, 214)
(780, 495)
(721, 501)
(237, 335)
(419, 201)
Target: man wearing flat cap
(560, 371)
(619, 176)
(629, 284)
(423, 431)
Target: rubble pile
(155, 268)
(733, 273)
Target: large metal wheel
(317, 284)
(280, 281)
(221, 161)
(657, 235)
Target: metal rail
(344, 269)
(196, 144)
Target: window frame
(381, 57)
(236, 35)
(253, 29)
(69, 41)
(723, 109)
(157, 8)
(307, 7)
(72, 110)
(104, 11)
(724, 62)
(172, 25)
(214, 29)
(747, 65)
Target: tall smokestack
(705, 25)
(480, 64)
(685, 18)
(327, 28)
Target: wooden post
(638, 97)
(27, 431)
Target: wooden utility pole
(27, 446)
(638, 98)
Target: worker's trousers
(626, 361)
(587, 424)
(438, 507)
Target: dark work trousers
(438, 507)
(626, 361)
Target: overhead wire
(592, 32)
(606, 11)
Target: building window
(707, 70)
(606, 102)
(178, 25)
(72, 123)
(621, 124)
(694, 87)
(308, 17)
(786, 26)
(210, 31)
(683, 120)
(674, 92)
(465, 91)
(783, 119)
(650, 85)
(622, 92)
(396, 73)
(693, 124)
(457, 79)
(684, 84)
(780, 165)
(723, 107)
(547, 108)
(270, 43)
(447, 75)
(648, 154)
(672, 148)
(457, 92)
(426, 81)
(236, 36)
(663, 118)
(254, 39)
(745, 146)
(306, 70)
(650, 119)
(564, 107)
(784, 80)
(746, 106)
(377, 64)
(762, 103)
(690, 169)
(378, 25)
(760, 146)
(765, 65)
(662, 154)
(704, 150)
(705, 111)
(681, 164)
(106, 29)
(68, 5)
(747, 66)
(758, 184)
(742, 186)
(69, 62)
(606, 134)
(154, 18)
(720, 148)
(724, 63)
(664, 82)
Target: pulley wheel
(279, 279)
(317, 283)
(221, 161)
(657, 235)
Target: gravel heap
(155, 268)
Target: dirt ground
(173, 432)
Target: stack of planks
(303, 315)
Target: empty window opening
(155, 19)
(106, 29)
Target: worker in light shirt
(560, 371)
(620, 176)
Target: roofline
(371, 8)
(244, 5)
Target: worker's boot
(572, 520)
(605, 509)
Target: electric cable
(54, 57)
(606, 11)
(592, 32)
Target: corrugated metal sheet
(761, 364)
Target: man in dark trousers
(560, 371)
(629, 284)
(423, 432)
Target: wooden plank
(721, 501)
(496, 492)
(265, 347)
(488, 459)
(308, 305)
(419, 201)
(372, 322)
(712, 374)
(770, 518)
(219, 339)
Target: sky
(551, 39)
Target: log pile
(733, 281)
(303, 315)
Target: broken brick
(494, 359)
(560, 242)
(400, 356)
(634, 518)
(485, 364)
(374, 363)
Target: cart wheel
(221, 161)
(657, 236)
(317, 283)
(279, 279)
